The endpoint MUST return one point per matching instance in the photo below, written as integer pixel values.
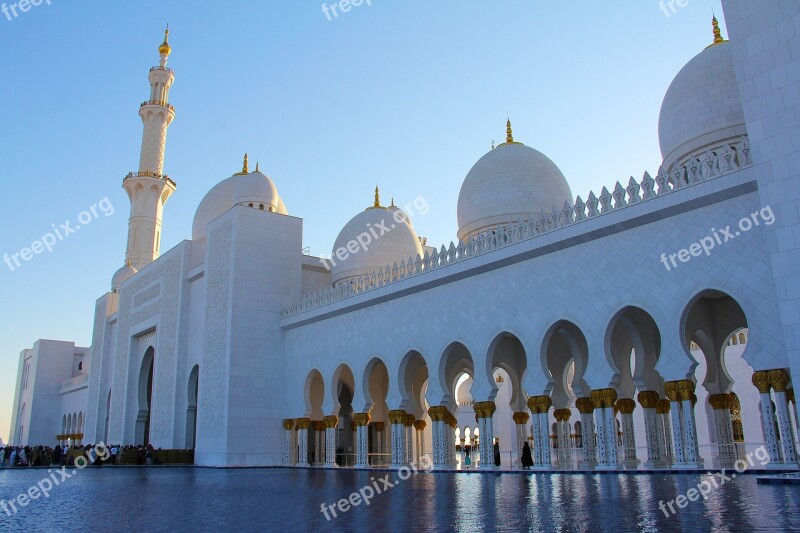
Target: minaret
(149, 188)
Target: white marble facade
(236, 344)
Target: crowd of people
(64, 455)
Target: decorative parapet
(716, 162)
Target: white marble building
(653, 324)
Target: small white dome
(702, 108)
(388, 240)
(506, 185)
(253, 188)
(121, 276)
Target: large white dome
(506, 185)
(702, 108)
(253, 189)
(390, 240)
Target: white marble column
(604, 401)
(779, 380)
(665, 428)
(723, 429)
(589, 455)
(485, 411)
(437, 415)
(397, 420)
(408, 426)
(562, 417)
(612, 448)
(521, 426)
(362, 439)
(302, 438)
(544, 427)
(419, 429)
(331, 422)
(626, 407)
(288, 452)
(536, 432)
(653, 437)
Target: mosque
(614, 330)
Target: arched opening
(376, 388)
(711, 326)
(314, 396)
(507, 364)
(145, 397)
(413, 385)
(191, 409)
(342, 392)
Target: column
(419, 427)
(626, 407)
(536, 433)
(779, 380)
(331, 422)
(762, 383)
(451, 423)
(596, 397)
(562, 417)
(690, 443)
(288, 452)
(437, 415)
(521, 422)
(793, 408)
(545, 403)
(362, 439)
(723, 428)
(302, 438)
(665, 431)
(586, 409)
(649, 402)
(484, 411)
(397, 419)
(379, 460)
(676, 419)
(604, 401)
(408, 425)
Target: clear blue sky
(408, 94)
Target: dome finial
(165, 48)
(377, 197)
(244, 166)
(509, 133)
(257, 170)
(392, 201)
(717, 33)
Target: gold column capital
(562, 415)
(662, 407)
(378, 426)
(420, 425)
(303, 423)
(318, 425)
(779, 379)
(720, 401)
(331, 421)
(626, 406)
(685, 389)
(361, 419)
(521, 417)
(761, 381)
(437, 413)
(648, 399)
(609, 397)
(533, 404)
(596, 397)
(409, 420)
(584, 405)
(485, 409)
(397, 416)
(671, 390)
(288, 424)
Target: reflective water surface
(183, 499)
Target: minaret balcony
(149, 175)
(158, 103)
(165, 69)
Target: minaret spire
(717, 33)
(144, 224)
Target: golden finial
(244, 167)
(717, 33)
(377, 197)
(392, 201)
(257, 167)
(165, 49)
(509, 134)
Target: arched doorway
(145, 397)
(191, 410)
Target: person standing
(527, 459)
(497, 453)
